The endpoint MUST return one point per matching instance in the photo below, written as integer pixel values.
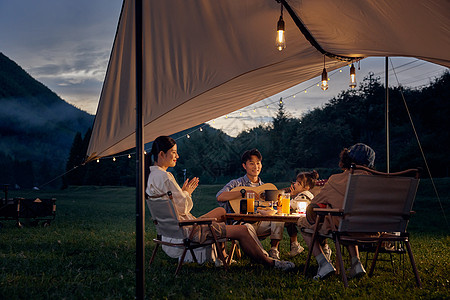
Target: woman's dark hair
(308, 179)
(162, 143)
(249, 153)
(345, 160)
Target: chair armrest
(198, 221)
(326, 211)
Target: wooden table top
(292, 218)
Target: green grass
(88, 252)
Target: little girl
(300, 191)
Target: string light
(324, 85)
(226, 116)
(352, 77)
(280, 41)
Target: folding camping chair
(165, 218)
(375, 208)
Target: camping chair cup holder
(165, 218)
(376, 210)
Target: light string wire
(231, 115)
(419, 144)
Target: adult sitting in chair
(332, 195)
(164, 151)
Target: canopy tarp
(205, 58)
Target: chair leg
(413, 264)
(233, 249)
(374, 260)
(153, 255)
(310, 247)
(341, 262)
(219, 249)
(181, 260)
(193, 255)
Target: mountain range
(37, 128)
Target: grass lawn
(88, 252)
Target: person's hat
(362, 154)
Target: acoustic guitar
(235, 203)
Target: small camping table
(292, 218)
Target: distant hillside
(36, 126)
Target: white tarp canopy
(206, 58)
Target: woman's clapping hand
(190, 185)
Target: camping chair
(375, 209)
(165, 218)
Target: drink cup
(286, 203)
(250, 202)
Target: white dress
(160, 182)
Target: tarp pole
(387, 114)
(140, 209)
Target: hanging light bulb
(114, 159)
(352, 77)
(129, 155)
(201, 129)
(98, 160)
(324, 85)
(280, 41)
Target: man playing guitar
(251, 162)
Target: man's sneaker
(218, 262)
(295, 249)
(357, 270)
(324, 271)
(274, 253)
(284, 265)
(326, 252)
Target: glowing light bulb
(352, 77)
(280, 41)
(324, 85)
(129, 155)
(201, 129)
(114, 159)
(98, 160)
(188, 136)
